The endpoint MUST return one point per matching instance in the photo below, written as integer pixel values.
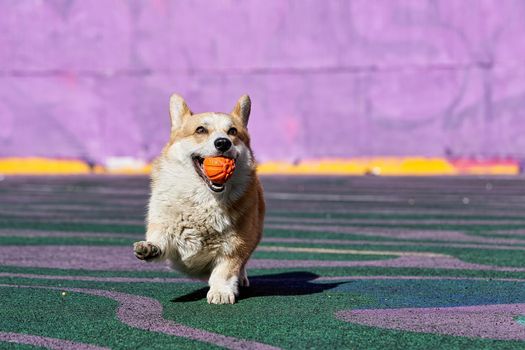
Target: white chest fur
(193, 221)
(196, 232)
(199, 230)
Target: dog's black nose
(223, 144)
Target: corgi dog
(205, 229)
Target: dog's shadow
(281, 284)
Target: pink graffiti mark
(292, 127)
(480, 321)
(46, 342)
(146, 313)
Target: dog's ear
(242, 109)
(178, 111)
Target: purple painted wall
(91, 79)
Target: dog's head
(198, 136)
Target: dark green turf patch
(296, 233)
(445, 227)
(396, 216)
(495, 257)
(393, 271)
(48, 313)
(490, 234)
(320, 234)
(76, 272)
(253, 273)
(318, 256)
(279, 311)
(435, 293)
(276, 313)
(412, 244)
(321, 271)
(501, 258)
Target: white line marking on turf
(347, 251)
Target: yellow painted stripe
(144, 170)
(416, 166)
(510, 169)
(42, 166)
(393, 166)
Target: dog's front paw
(221, 296)
(146, 250)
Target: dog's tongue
(218, 169)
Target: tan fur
(203, 233)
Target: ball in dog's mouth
(214, 171)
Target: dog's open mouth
(198, 163)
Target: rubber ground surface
(345, 263)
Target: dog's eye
(232, 132)
(201, 130)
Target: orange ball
(219, 169)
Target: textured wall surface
(91, 79)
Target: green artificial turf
(285, 307)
